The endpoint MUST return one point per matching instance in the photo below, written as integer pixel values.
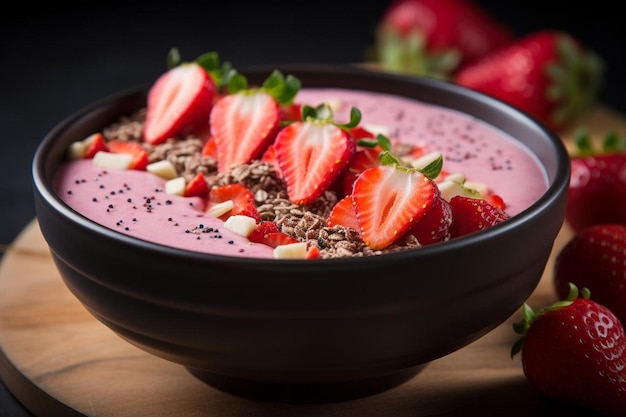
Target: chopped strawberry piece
(263, 228)
(496, 201)
(434, 227)
(139, 153)
(313, 252)
(311, 155)
(363, 158)
(360, 132)
(291, 112)
(209, 148)
(268, 233)
(239, 194)
(343, 214)
(250, 210)
(197, 187)
(278, 238)
(95, 143)
(179, 101)
(473, 214)
(389, 200)
(243, 125)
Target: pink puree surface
(133, 202)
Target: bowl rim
(556, 187)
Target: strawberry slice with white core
(389, 200)
(243, 125)
(311, 155)
(179, 101)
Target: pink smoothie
(134, 202)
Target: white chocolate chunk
(290, 251)
(221, 208)
(76, 150)
(163, 169)
(456, 177)
(479, 187)
(175, 186)
(112, 160)
(242, 225)
(450, 189)
(423, 161)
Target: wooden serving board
(59, 361)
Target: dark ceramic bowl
(316, 330)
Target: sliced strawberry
(363, 159)
(473, 214)
(389, 200)
(197, 187)
(139, 153)
(94, 144)
(343, 214)
(179, 101)
(209, 148)
(434, 227)
(243, 125)
(239, 194)
(311, 155)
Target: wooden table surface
(59, 361)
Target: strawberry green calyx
(530, 316)
(282, 88)
(324, 114)
(576, 79)
(408, 54)
(210, 61)
(611, 143)
(432, 170)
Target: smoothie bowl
(291, 293)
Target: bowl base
(306, 392)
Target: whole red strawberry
(435, 37)
(547, 74)
(597, 189)
(575, 351)
(595, 258)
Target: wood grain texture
(59, 361)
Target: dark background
(55, 62)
